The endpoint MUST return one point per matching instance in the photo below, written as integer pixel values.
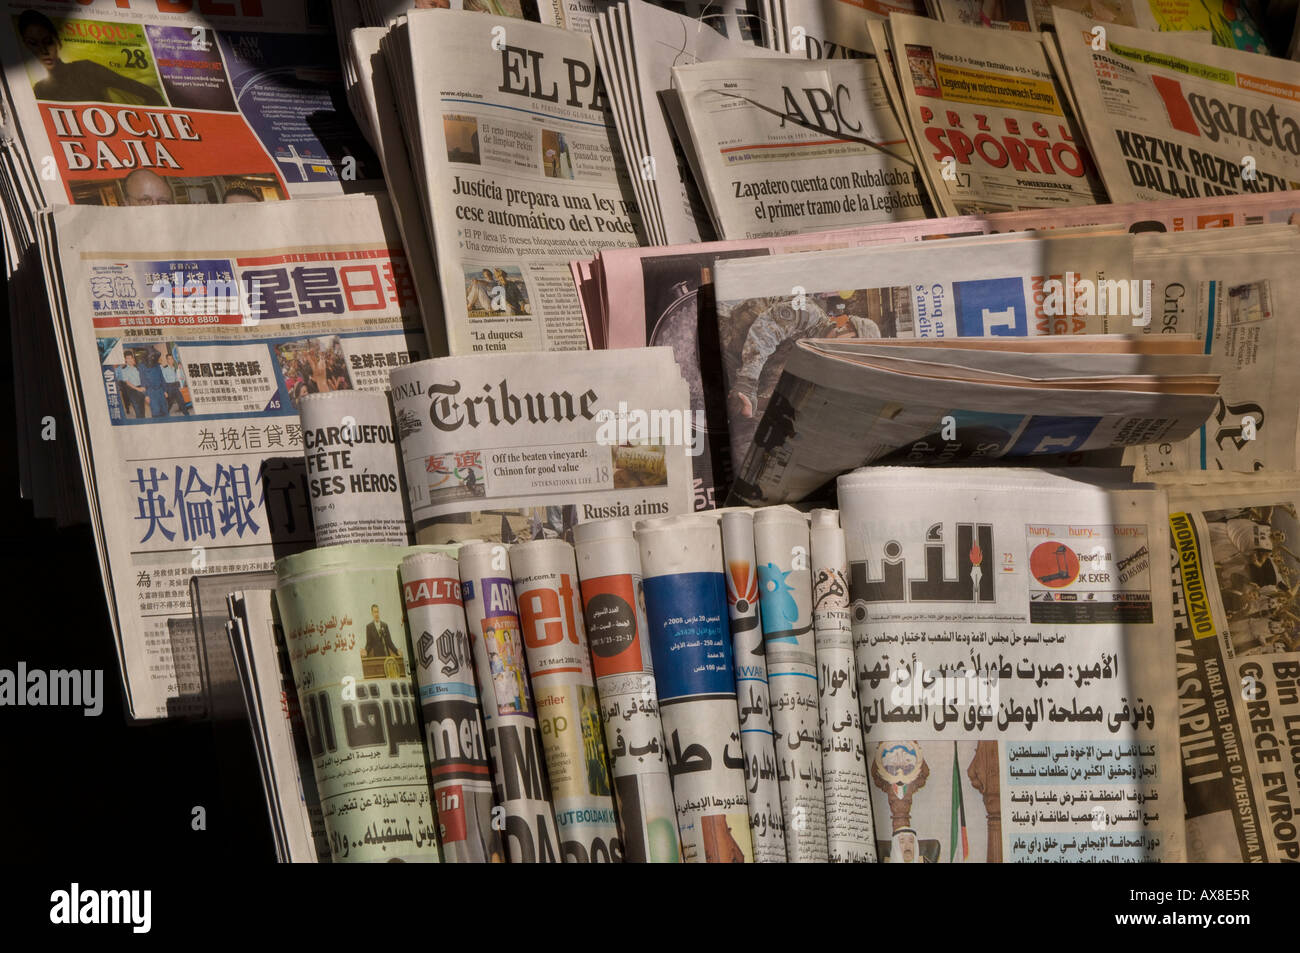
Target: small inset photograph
(496, 290)
(925, 77)
(150, 381)
(461, 133)
(556, 161)
(312, 366)
(70, 60)
(640, 466)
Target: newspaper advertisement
(613, 605)
(790, 146)
(348, 644)
(686, 607)
(192, 350)
(559, 661)
(1168, 116)
(1013, 667)
(522, 171)
(124, 104)
(993, 126)
(514, 738)
(453, 721)
(353, 478)
(1236, 634)
(508, 447)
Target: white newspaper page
(994, 129)
(523, 174)
(792, 146)
(1237, 641)
(1013, 664)
(1170, 116)
(193, 346)
(506, 447)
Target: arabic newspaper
(1237, 642)
(559, 661)
(189, 339)
(850, 833)
(992, 125)
(514, 739)
(351, 655)
(1168, 116)
(784, 148)
(453, 721)
(686, 605)
(520, 169)
(507, 447)
(785, 594)
(353, 478)
(749, 656)
(613, 606)
(1012, 663)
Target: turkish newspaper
(993, 127)
(787, 146)
(1168, 116)
(1013, 665)
(521, 173)
(505, 447)
(1236, 637)
(187, 352)
(124, 104)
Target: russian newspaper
(516, 150)
(1013, 665)
(506, 447)
(992, 125)
(189, 338)
(784, 147)
(1168, 116)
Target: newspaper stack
(129, 107)
(512, 155)
(188, 338)
(637, 45)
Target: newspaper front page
(1236, 636)
(522, 171)
(1169, 116)
(1013, 664)
(504, 447)
(189, 350)
(125, 104)
(993, 126)
(793, 147)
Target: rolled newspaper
(353, 471)
(850, 833)
(613, 604)
(555, 641)
(785, 594)
(453, 720)
(344, 627)
(686, 611)
(509, 718)
(766, 821)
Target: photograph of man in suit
(379, 644)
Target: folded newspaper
(844, 404)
